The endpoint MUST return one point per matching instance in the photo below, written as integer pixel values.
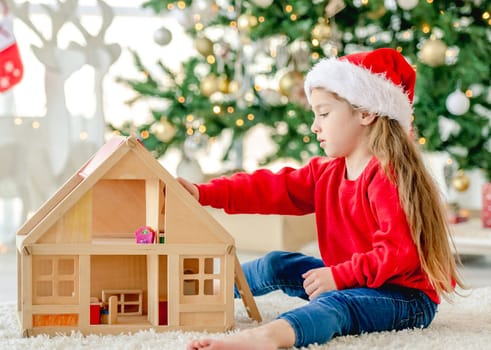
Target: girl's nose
(314, 127)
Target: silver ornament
(162, 36)
(407, 4)
(457, 103)
(262, 3)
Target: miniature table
(471, 238)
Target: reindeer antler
(22, 12)
(65, 9)
(95, 43)
(107, 19)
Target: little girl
(382, 231)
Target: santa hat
(380, 81)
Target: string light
(202, 129)
(84, 135)
(421, 140)
(181, 99)
(230, 109)
(486, 17)
(18, 121)
(144, 134)
(239, 122)
(217, 109)
(36, 125)
(468, 93)
(250, 116)
(181, 5)
(306, 139)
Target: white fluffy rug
(463, 324)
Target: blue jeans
(335, 313)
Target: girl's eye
(323, 115)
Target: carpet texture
(463, 324)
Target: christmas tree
(252, 56)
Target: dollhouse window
(201, 276)
(55, 279)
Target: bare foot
(239, 341)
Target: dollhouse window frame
(55, 279)
(201, 276)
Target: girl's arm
(288, 191)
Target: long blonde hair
(420, 199)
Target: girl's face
(339, 128)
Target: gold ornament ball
(164, 130)
(378, 13)
(461, 181)
(233, 87)
(433, 52)
(289, 81)
(223, 84)
(204, 46)
(209, 85)
(321, 31)
(246, 22)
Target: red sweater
(362, 230)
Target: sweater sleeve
(287, 192)
(393, 254)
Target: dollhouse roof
(126, 158)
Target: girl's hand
(188, 186)
(318, 281)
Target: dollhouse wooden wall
(79, 252)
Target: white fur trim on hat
(362, 88)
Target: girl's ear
(367, 118)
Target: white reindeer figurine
(60, 65)
(58, 155)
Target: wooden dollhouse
(80, 267)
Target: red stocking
(11, 69)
